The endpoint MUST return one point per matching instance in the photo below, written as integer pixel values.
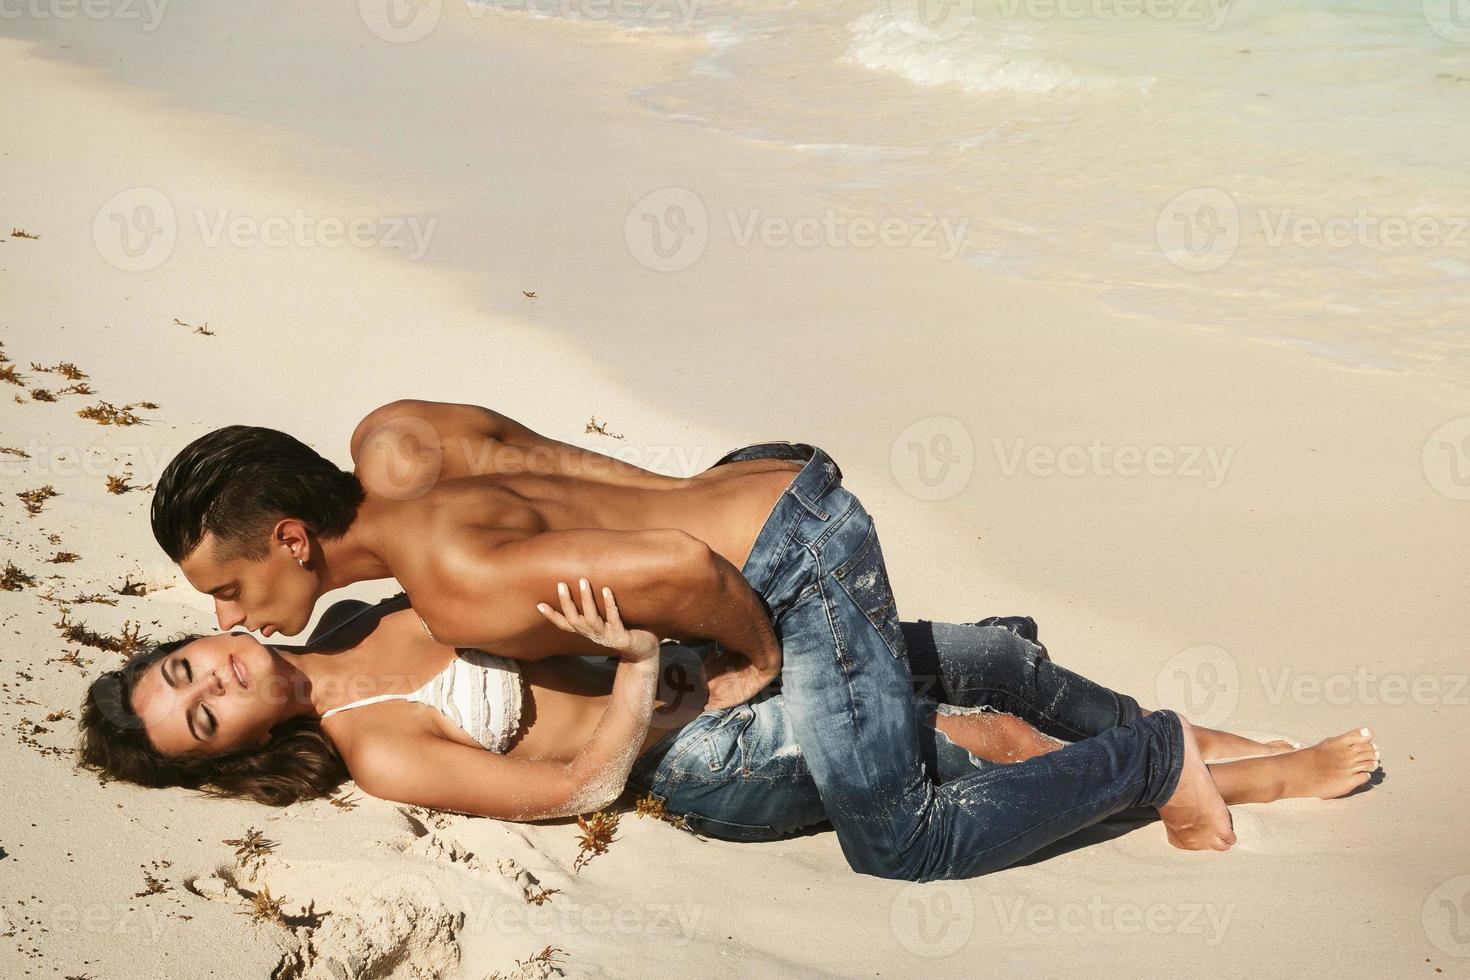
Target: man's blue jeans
(848, 698)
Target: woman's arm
(436, 772)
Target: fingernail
(542, 606)
(582, 582)
(561, 587)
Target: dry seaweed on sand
(12, 579)
(597, 836)
(651, 806)
(539, 964)
(42, 395)
(250, 850)
(595, 427)
(12, 451)
(63, 558)
(130, 642)
(22, 233)
(106, 413)
(66, 369)
(120, 484)
(34, 499)
(199, 330)
(7, 373)
(265, 907)
(346, 802)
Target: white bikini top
(478, 691)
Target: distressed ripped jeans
(847, 720)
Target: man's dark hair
(237, 482)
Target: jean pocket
(865, 580)
(727, 830)
(724, 739)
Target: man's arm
(480, 594)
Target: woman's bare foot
(1333, 767)
(1216, 745)
(1196, 817)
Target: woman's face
(218, 694)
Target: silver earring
(301, 562)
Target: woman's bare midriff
(565, 698)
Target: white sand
(1321, 579)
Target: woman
(372, 696)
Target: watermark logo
(1211, 13)
(933, 919)
(401, 21)
(1450, 19)
(934, 458)
(1100, 917)
(1447, 458)
(930, 21)
(1202, 683)
(136, 229)
(1199, 230)
(1446, 916)
(401, 459)
(1207, 463)
(149, 11)
(667, 230)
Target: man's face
(273, 594)
(219, 694)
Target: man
(478, 517)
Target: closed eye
(213, 724)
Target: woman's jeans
(847, 720)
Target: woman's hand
(633, 645)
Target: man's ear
(294, 537)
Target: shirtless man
(478, 518)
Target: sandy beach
(279, 217)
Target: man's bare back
(451, 486)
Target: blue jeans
(846, 715)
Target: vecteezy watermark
(1446, 916)
(149, 12)
(1446, 458)
(1364, 686)
(1202, 229)
(934, 458)
(401, 21)
(1100, 916)
(137, 230)
(933, 919)
(833, 229)
(1199, 230)
(489, 909)
(662, 12)
(1210, 13)
(1202, 683)
(106, 919)
(1207, 463)
(60, 460)
(930, 21)
(669, 230)
(1450, 19)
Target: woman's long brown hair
(299, 763)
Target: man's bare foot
(1333, 767)
(1196, 816)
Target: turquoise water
(1293, 170)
